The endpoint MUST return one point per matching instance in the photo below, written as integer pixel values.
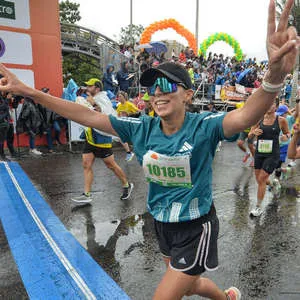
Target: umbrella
(157, 47)
(144, 46)
(243, 74)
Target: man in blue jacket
(122, 77)
(109, 81)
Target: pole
(130, 23)
(70, 135)
(197, 25)
(130, 12)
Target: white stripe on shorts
(203, 245)
(202, 240)
(207, 248)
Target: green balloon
(221, 36)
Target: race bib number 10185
(172, 171)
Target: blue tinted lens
(151, 90)
(165, 86)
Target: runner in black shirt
(267, 153)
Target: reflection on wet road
(260, 256)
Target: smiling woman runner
(176, 150)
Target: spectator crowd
(213, 70)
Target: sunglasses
(165, 86)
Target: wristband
(271, 88)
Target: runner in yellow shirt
(125, 108)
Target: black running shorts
(97, 151)
(268, 164)
(192, 245)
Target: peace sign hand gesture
(282, 44)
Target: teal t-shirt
(179, 166)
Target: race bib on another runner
(171, 171)
(265, 146)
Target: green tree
(130, 34)
(69, 12)
(294, 20)
(77, 66)
(81, 68)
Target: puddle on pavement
(114, 244)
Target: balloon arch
(220, 36)
(165, 24)
(172, 23)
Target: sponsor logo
(2, 47)
(186, 147)
(182, 261)
(7, 10)
(154, 156)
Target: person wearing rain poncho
(99, 144)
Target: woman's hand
(257, 131)
(282, 44)
(10, 83)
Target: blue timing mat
(51, 262)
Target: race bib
(171, 171)
(265, 146)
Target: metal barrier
(204, 90)
(204, 94)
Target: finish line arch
(221, 36)
(165, 24)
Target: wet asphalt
(260, 256)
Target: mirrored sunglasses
(165, 86)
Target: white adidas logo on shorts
(182, 261)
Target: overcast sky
(245, 20)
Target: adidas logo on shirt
(186, 147)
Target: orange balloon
(168, 23)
